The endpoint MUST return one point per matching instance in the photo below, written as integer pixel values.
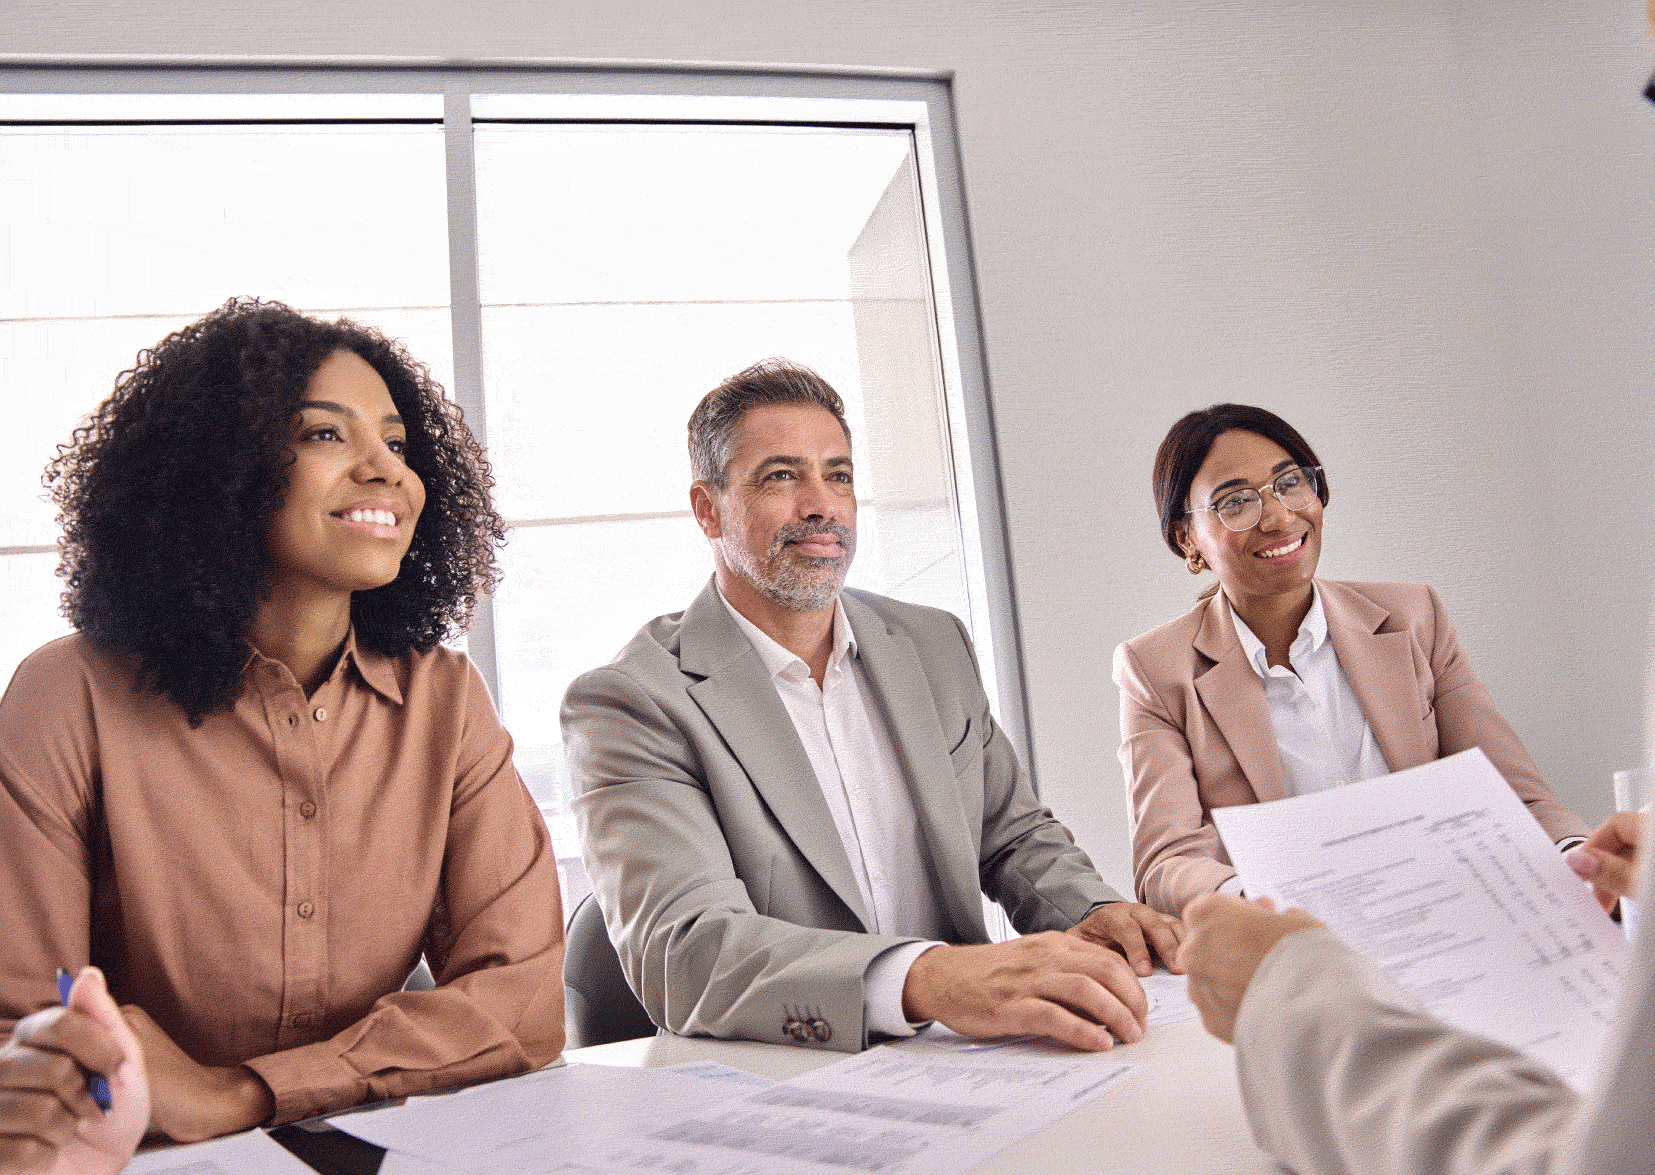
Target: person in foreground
(1278, 683)
(253, 788)
(792, 797)
(1396, 1091)
(53, 1050)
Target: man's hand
(1134, 930)
(48, 1121)
(1228, 939)
(190, 1101)
(1053, 984)
(1606, 859)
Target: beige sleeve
(1175, 845)
(1344, 1073)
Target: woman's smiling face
(351, 503)
(1277, 556)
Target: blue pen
(97, 1084)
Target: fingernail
(1584, 862)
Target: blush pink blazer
(1196, 732)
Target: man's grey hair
(713, 424)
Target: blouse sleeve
(1176, 853)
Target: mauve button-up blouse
(263, 884)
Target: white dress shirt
(849, 746)
(1323, 736)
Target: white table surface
(1181, 1116)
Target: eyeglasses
(1242, 508)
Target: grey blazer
(721, 875)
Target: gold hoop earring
(1195, 562)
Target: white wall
(1420, 229)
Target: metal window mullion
(466, 321)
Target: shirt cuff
(1232, 885)
(882, 989)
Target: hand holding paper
(1441, 877)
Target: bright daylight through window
(576, 270)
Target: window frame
(817, 96)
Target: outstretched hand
(1052, 984)
(1228, 939)
(48, 1121)
(1606, 859)
(1135, 930)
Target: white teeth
(375, 517)
(1283, 549)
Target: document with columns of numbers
(917, 1108)
(1440, 876)
(921, 1108)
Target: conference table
(1180, 1115)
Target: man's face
(784, 526)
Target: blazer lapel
(1380, 669)
(740, 700)
(892, 665)
(1234, 698)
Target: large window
(578, 258)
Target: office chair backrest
(599, 1007)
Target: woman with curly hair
(253, 787)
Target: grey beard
(789, 581)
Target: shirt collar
(783, 663)
(378, 670)
(1312, 633)
(375, 669)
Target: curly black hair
(165, 490)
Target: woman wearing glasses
(1277, 683)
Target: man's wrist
(917, 1000)
(884, 987)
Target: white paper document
(252, 1153)
(531, 1122)
(893, 1109)
(1441, 877)
(916, 1110)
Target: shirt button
(307, 809)
(293, 720)
(306, 909)
(321, 714)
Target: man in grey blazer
(792, 797)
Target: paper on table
(397, 1163)
(532, 1121)
(1441, 877)
(1169, 998)
(713, 1071)
(908, 1109)
(252, 1153)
